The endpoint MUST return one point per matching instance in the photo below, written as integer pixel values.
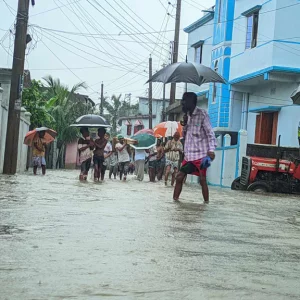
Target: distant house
(131, 124)
(86, 99)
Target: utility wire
(138, 17)
(115, 45)
(66, 66)
(110, 66)
(55, 8)
(132, 25)
(111, 19)
(130, 63)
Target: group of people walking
(164, 160)
(104, 155)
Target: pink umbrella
(145, 131)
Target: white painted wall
(287, 27)
(270, 94)
(236, 111)
(252, 60)
(288, 121)
(204, 33)
(22, 149)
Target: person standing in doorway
(123, 157)
(200, 144)
(98, 159)
(39, 149)
(85, 148)
(173, 150)
(139, 158)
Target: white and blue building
(255, 46)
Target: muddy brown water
(61, 239)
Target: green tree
(113, 107)
(34, 101)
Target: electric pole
(150, 93)
(15, 100)
(102, 100)
(164, 104)
(175, 48)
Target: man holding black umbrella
(200, 144)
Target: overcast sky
(99, 40)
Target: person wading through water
(172, 150)
(200, 144)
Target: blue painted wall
(219, 111)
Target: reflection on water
(61, 239)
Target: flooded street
(61, 239)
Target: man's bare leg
(178, 186)
(43, 169)
(205, 191)
(174, 176)
(168, 169)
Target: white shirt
(123, 155)
(139, 155)
(108, 148)
(85, 154)
(152, 151)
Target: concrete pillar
(1, 95)
(227, 140)
(219, 141)
(224, 170)
(242, 138)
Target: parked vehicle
(261, 174)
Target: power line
(131, 41)
(144, 33)
(12, 10)
(128, 28)
(193, 5)
(112, 18)
(88, 19)
(104, 60)
(115, 45)
(67, 66)
(138, 18)
(83, 23)
(108, 66)
(46, 11)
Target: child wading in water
(85, 148)
(39, 153)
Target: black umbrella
(186, 72)
(296, 96)
(91, 121)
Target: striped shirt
(199, 136)
(173, 155)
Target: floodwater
(61, 239)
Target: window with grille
(252, 30)
(198, 54)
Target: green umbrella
(145, 141)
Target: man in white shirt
(139, 158)
(123, 157)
